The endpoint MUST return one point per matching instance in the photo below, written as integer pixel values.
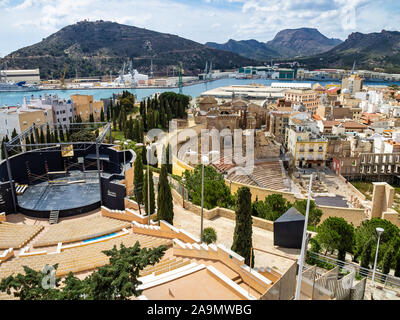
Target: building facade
(84, 106)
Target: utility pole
(303, 243)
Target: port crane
(62, 80)
(180, 77)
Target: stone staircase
(53, 217)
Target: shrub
(209, 235)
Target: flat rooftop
(250, 92)
(200, 285)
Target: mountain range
(100, 47)
(369, 51)
(287, 43)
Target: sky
(25, 22)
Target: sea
(195, 90)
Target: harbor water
(14, 98)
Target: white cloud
(30, 20)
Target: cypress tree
(32, 139)
(165, 206)
(397, 266)
(3, 154)
(141, 132)
(144, 155)
(169, 159)
(102, 115)
(366, 255)
(91, 118)
(18, 149)
(138, 179)
(62, 135)
(145, 188)
(242, 237)
(42, 139)
(387, 260)
(48, 134)
(109, 113)
(27, 141)
(136, 131)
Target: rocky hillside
(301, 42)
(98, 48)
(287, 43)
(372, 50)
(252, 49)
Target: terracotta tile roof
(330, 123)
(208, 99)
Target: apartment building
(62, 109)
(307, 149)
(278, 121)
(84, 105)
(21, 119)
(307, 97)
(352, 84)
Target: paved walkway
(262, 239)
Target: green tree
(83, 136)
(242, 237)
(366, 255)
(145, 193)
(168, 160)
(367, 231)
(388, 259)
(216, 192)
(28, 286)
(91, 118)
(336, 234)
(5, 139)
(138, 179)
(315, 214)
(117, 280)
(209, 235)
(42, 138)
(272, 207)
(165, 206)
(27, 142)
(102, 115)
(397, 265)
(48, 134)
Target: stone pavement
(262, 239)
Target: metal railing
(385, 279)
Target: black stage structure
(57, 176)
(288, 229)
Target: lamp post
(138, 145)
(303, 243)
(148, 148)
(379, 231)
(204, 158)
